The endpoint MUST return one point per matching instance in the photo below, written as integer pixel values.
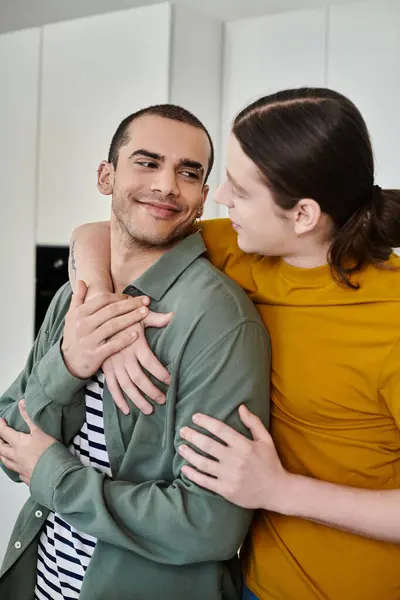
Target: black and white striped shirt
(64, 553)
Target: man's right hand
(90, 329)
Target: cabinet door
(364, 64)
(96, 71)
(19, 76)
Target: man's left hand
(20, 452)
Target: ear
(105, 178)
(205, 191)
(306, 215)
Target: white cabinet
(364, 64)
(96, 71)
(19, 77)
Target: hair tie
(376, 195)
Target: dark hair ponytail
(368, 237)
(314, 143)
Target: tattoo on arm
(73, 262)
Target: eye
(234, 191)
(190, 175)
(147, 164)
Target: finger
(220, 430)
(7, 434)
(117, 309)
(204, 443)
(117, 324)
(154, 319)
(24, 480)
(142, 382)
(114, 388)
(254, 424)
(109, 300)
(204, 481)
(150, 362)
(26, 417)
(78, 297)
(114, 345)
(6, 451)
(130, 389)
(206, 465)
(9, 464)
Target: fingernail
(134, 335)
(183, 431)
(182, 448)
(143, 310)
(196, 418)
(167, 380)
(160, 399)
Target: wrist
(283, 499)
(102, 285)
(70, 368)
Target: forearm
(90, 258)
(51, 395)
(167, 522)
(370, 513)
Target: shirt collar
(157, 280)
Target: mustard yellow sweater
(335, 416)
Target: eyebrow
(236, 184)
(191, 164)
(143, 152)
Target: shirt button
(18, 545)
(39, 514)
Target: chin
(245, 245)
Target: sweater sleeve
(52, 395)
(224, 253)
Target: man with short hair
(110, 515)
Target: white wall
(19, 76)
(196, 77)
(364, 64)
(96, 71)
(271, 53)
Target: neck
(130, 259)
(310, 257)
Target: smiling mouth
(163, 211)
(234, 225)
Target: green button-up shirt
(159, 535)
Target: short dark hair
(166, 111)
(314, 143)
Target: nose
(165, 182)
(223, 196)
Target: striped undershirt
(64, 553)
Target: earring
(198, 222)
